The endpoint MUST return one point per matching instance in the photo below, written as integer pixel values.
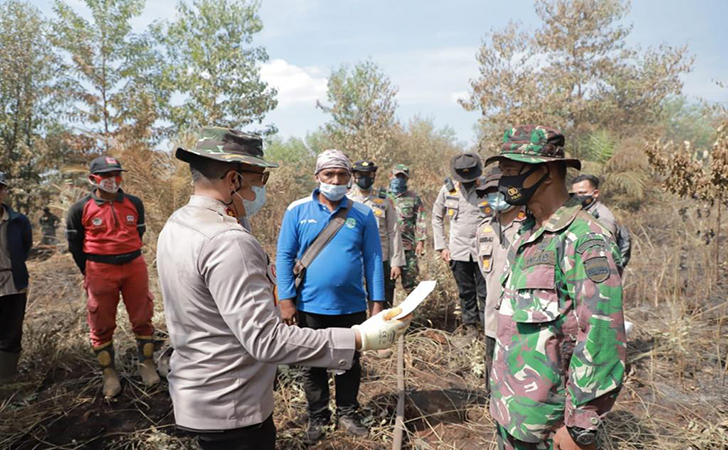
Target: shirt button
(342, 362)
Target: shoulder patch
(597, 269)
(591, 240)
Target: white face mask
(109, 185)
(252, 207)
(333, 192)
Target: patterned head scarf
(332, 159)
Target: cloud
(432, 76)
(459, 95)
(295, 84)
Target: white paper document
(416, 297)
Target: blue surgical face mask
(333, 192)
(253, 206)
(498, 202)
(398, 185)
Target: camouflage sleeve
(396, 257)
(421, 214)
(597, 365)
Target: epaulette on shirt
(382, 193)
(485, 208)
(450, 185)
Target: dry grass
(674, 396)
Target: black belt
(118, 260)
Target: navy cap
(105, 164)
(364, 166)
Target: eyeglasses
(265, 175)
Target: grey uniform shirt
(223, 322)
(492, 244)
(463, 210)
(387, 223)
(605, 216)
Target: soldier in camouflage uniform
(412, 224)
(560, 344)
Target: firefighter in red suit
(104, 231)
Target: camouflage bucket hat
(401, 168)
(533, 144)
(227, 145)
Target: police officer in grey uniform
(220, 306)
(459, 202)
(392, 249)
(495, 235)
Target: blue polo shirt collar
(343, 203)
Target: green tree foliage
(689, 121)
(210, 60)
(575, 72)
(293, 150)
(362, 107)
(29, 100)
(419, 143)
(110, 66)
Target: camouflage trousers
(410, 272)
(508, 442)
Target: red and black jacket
(105, 231)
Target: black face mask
(468, 185)
(365, 182)
(585, 200)
(512, 187)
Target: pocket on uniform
(485, 253)
(452, 207)
(537, 300)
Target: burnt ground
(668, 400)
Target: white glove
(380, 332)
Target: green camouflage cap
(533, 144)
(227, 145)
(401, 168)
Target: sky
(428, 47)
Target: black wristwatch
(582, 436)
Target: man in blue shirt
(332, 292)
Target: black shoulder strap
(321, 241)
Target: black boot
(8, 365)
